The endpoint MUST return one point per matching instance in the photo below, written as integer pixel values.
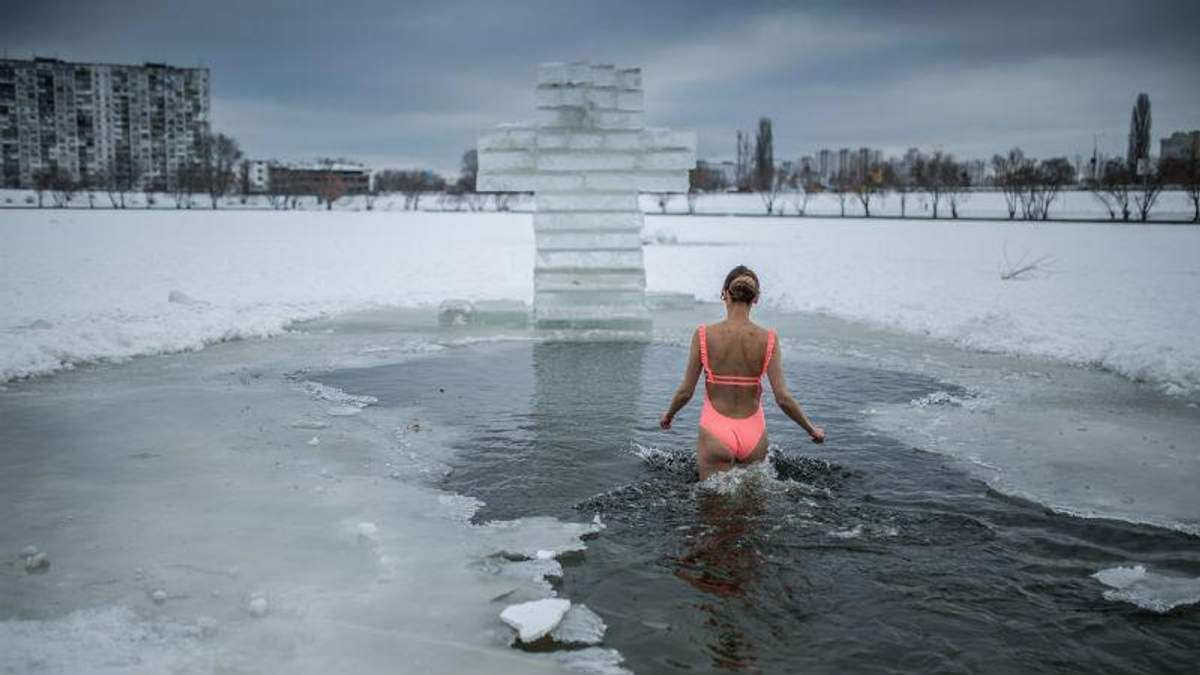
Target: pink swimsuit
(739, 434)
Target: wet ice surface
(872, 552)
(190, 522)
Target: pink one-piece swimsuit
(739, 434)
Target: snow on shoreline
(1123, 298)
(78, 286)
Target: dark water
(862, 555)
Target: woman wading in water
(734, 355)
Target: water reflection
(722, 559)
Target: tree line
(1127, 188)
(211, 169)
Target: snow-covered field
(79, 286)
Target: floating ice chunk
(206, 626)
(29, 551)
(367, 531)
(38, 562)
(455, 313)
(532, 620)
(310, 423)
(258, 606)
(537, 571)
(314, 441)
(40, 324)
(852, 533)
(580, 626)
(177, 297)
(1154, 592)
(324, 392)
(593, 660)
(543, 554)
(343, 410)
(159, 596)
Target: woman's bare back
(736, 348)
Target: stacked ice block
(586, 159)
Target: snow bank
(1126, 298)
(78, 286)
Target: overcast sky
(403, 84)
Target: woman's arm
(683, 394)
(786, 402)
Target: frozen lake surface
(284, 504)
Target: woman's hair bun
(743, 288)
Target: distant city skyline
(412, 85)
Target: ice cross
(586, 159)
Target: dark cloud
(412, 83)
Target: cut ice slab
(533, 620)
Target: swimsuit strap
(770, 351)
(735, 380)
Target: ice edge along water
(1126, 298)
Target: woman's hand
(664, 422)
(817, 434)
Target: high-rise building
(1180, 145)
(134, 124)
(825, 163)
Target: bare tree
(702, 179)
(330, 188)
(218, 157)
(413, 184)
(1185, 173)
(87, 184)
(185, 185)
(1052, 176)
(1149, 187)
(744, 157)
(370, 196)
(957, 184)
(873, 182)
(842, 185)
(771, 192)
(930, 174)
(1011, 170)
(62, 187)
(1139, 136)
(804, 184)
(1112, 189)
(504, 200)
(43, 181)
(764, 158)
(901, 184)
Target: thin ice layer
(208, 534)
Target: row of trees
(211, 171)
(1030, 187)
